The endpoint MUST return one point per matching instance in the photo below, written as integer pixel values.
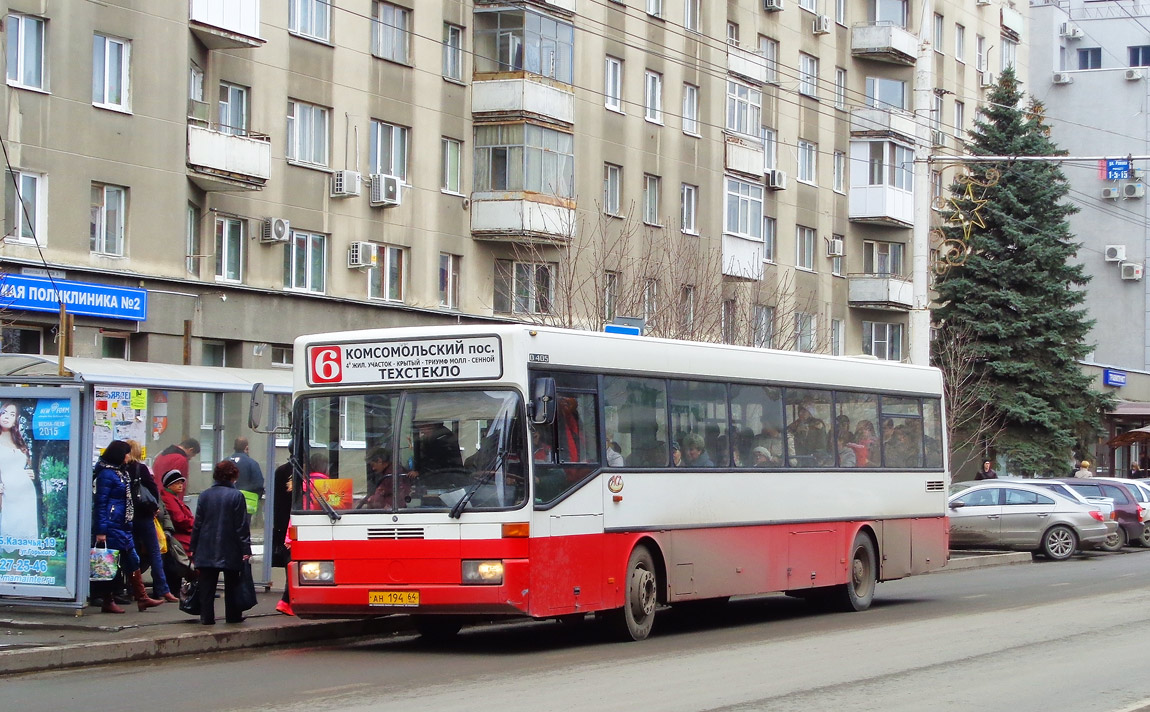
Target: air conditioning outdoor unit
(361, 254)
(386, 190)
(1131, 271)
(1063, 78)
(777, 179)
(1070, 31)
(772, 5)
(835, 247)
(1115, 253)
(822, 24)
(986, 79)
(981, 2)
(345, 184)
(1133, 75)
(1111, 193)
(1133, 190)
(276, 230)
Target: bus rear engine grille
(395, 533)
(935, 486)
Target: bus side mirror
(543, 401)
(256, 407)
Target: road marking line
(337, 688)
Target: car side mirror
(957, 504)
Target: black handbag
(145, 502)
(246, 595)
(190, 597)
(281, 555)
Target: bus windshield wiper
(329, 510)
(496, 466)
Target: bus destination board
(412, 361)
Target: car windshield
(411, 450)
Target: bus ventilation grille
(395, 533)
(935, 486)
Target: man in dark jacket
(221, 541)
(986, 473)
(251, 475)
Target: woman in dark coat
(112, 511)
(221, 541)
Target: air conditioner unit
(1133, 75)
(772, 5)
(1133, 190)
(981, 2)
(1111, 193)
(276, 230)
(1132, 271)
(361, 254)
(386, 190)
(986, 79)
(937, 138)
(835, 247)
(777, 179)
(1063, 78)
(822, 24)
(1070, 31)
(1115, 253)
(345, 184)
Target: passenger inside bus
(695, 451)
(807, 436)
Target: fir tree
(1018, 295)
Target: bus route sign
(412, 361)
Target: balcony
(222, 160)
(517, 94)
(881, 205)
(885, 123)
(528, 218)
(565, 6)
(746, 63)
(742, 258)
(744, 155)
(226, 24)
(884, 42)
(880, 291)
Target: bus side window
(578, 439)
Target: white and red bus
(514, 470)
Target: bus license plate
(393, 598)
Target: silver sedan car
(1013, 515)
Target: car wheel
(1112, 542)
(1144, 538)
(1123, 538)
(1059, 543)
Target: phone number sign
(418, 360)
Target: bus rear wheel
(862, 576)
(635, 619)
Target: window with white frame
(960, 43)
(1009, 54)
(805, 325)
(808, 161)
(959, 119)
(837, 260)
(23, 214)
(769, 48)
(687, 309)
(808, 5)
(650, 300)
(388, 278)
(282, 357)
(612, 189)
(192, 240)
(26, 52)
(840, 88)
(610, 295)
(837, 332)
(233, 110)
(805, 247)
(655, 8)
(808, 74)
(733, 33)
(613, 84)
(305, 262)
(936, 112)
(841, 12)
(691, 15)
(891, 164)
(770, 149)
(691, 109)
(744, 108)
(770, 238)
(653, 96)
(452, 51)
(839, 181)
(310, 18)
(889, 12)
(195, 82)
(389, 144)
(109, 203)
(883, 93)
(452, 166)
(938, 29)
(307, 133)
(730, 321)
(744, 215)
(524, 287)
(882, 340)
(111, 57)
(524, 156)
(449, 280)
(689, 208)
(883, 258)
(980, 58)
(651, 199)
(764, 333)
(523, 39)
(229, 249)
(935, 189)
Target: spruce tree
(1018, 295)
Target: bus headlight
(483, 572)
(317, 572)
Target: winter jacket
(220, 535)
(112, 507)
(181, 516)
(251, 475)
(172, 458)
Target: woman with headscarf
(112, 512)
(176, 567)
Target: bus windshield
(412, 451)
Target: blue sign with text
(1117, 169)
(19, 291)
(622, 329)
(1113, 377)
(52, 419)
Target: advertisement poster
(120, 415)
(35, 442)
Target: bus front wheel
(858, 592)
(637, 616)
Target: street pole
(923, 91)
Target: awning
(1131, 408)
(1137, 435)
(142, 374)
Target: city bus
(476, 472)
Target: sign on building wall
(22, 292)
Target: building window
(770, 149)
(1090, 58)
(233, 113)
(769, 48)
(839, 181)
(1139, 56)
(935, 119)
(882, 93)
(891, 164)
(613, 84)
(805, 332)
(653, 97)
(612, 188)
(730, 321)
(1009, 53)
(837, 337)
(840, 88)
(808, 5)
(889, 12)
(744, 215)
(882, 340)
(770, 238)
(935, 189)
(610, 295)
(841, 12)
(960, 43)
(524, 287)
(651, 199)
(744, 107)
(452, 165)
(650, 300)
(524, 40)
(691, 15)
(449, 280)
(109, 203)
(764, 336)
(980, 59)
(453, 51)
(837, 260)
(310, 18)
(23, 216)
(305, 262)
(18, 340)
(687, 310)
(110, 60)
(26, 51)
(389, 149)
(691, 109)
(883, 258)
(229, 249)
(192, 240)
(808, 165)
(959, 119)
(655, 8)
(804, 247)
(808, 74)
(387, 278)
(114, 346)
(938, 25)
(689, 197)
(282, 357)
(307, 133)
(520, 157)
(733, 33)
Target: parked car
(1114, 540)
(1131, 514)
(1141, 491)
(1015, 515)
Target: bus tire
(862, 576)
(437, 628)
(640, 597)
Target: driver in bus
(436, 448)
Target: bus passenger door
(567, 565)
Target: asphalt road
(1045, 636)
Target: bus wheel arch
(862, 559)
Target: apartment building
(251, 170)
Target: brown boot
(141, 592)
(170, 598)
(110, 605)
